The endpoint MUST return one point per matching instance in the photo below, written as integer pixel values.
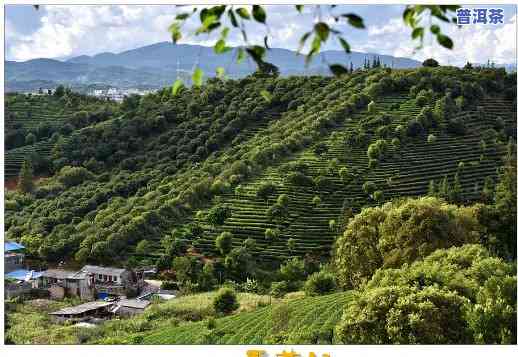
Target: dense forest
(392, 192)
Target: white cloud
(74, 30)
(474, 43)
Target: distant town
(112, 93)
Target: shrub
(430, 62)
(431, 139)
(73, 176)
(378, 195)
(271, 234)
(143, 247)
(266, 189)
(225, 301)
(316, 201)
(398, 233)
(224, 242)
(320, 283)
(414, 128)
(279, 289)
(369, 187)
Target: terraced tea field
(307, 320)
(406, 172)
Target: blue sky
(62, 31)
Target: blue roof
(22, 274)
(12, 246)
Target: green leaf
(178, 84)
(174, 29)
(266, 95)
(256, 52)
(338, 69)
(220, 72)
(241, 54)
(197, 77)
(354, 20)
(243, 13)
(417, 32)
(445, 41)
(232, 17)
(435, 29)
(258, 13)
(303, 40)
(224, 33)
(345, 45)
(299, 8)
(220, 47)
(182, 16)
(322, 30)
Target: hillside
(168, 164)
(33, 125)
(386, 197)
(156, 66)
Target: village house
(17, 280)
(130, 307)
(92, 282)
(13, 256)
(83, 312)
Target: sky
(64, 31)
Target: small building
(84, 312)
(91, 282)
(14, 256)
(130, 307)
(20, 282)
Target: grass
(299, 320)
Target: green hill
(160, 169)
(34, 123)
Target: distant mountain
(157, 65)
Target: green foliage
(320, 283)
(143, 247)
(437, 300)
(218, 214)
(265, 190)
(225, 301)
(26, 177)
(224, 242)
(73, 176)
(399, 233)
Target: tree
(320, 283)
(430, 62)
(431, 139)
(182, 266)
(292, 271)
(399, 233)
(143, 247)
(225, 301)
(291, 244)
(26, 177)
(224, 242)
(30, 139)
(271, 234)
(316, 201)
(218, 214)
(369, 187)
(73, 176)
(404, 315)
(266, 189)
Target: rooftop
(22, 274)
(79, 309)
(102, 270)
(134, 303)
(57, 273)
(12, 246)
